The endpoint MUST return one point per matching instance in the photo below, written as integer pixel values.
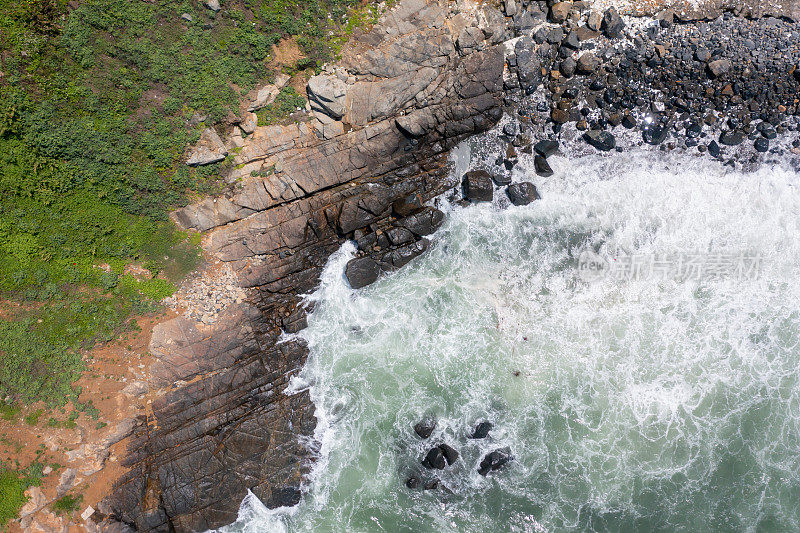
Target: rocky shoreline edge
(364, 166)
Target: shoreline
(362, 168)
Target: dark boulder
(423, 222)
(602, 140)
(435, 459)
(731, 138)
(432, 484)
(654, 135)
(522, 193)
(501, 178)
(425, 427)
(478, 186)
(713, 149)
(761, 144)
(361, 271)
(450, 453)
(482, 430)
(541, 166)
(546, 147)
(494, 460)
(628, 122)
(412, 482)
(588, 63)
(407, 205)
(612, 24)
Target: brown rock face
(223, 421)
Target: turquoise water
(629, 404)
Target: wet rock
(719, 67)
(494, 460)
(546, 147)
(767, 130)
(482, 430)
(478, 186)
(501, 179)
(713, 149)
(628, 122)
(412, 482)
(761, 144)
(424, 222)
(424, 428)
(361, 271)
(450, 453)
(541, 166)
(522, 193)
(432, 484)
(654, 135)
(731, 138)
(612, 24)
(435, 459)
(602, 140)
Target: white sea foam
(671, 404)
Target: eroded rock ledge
(402, 96)
(426, 77)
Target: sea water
(657, 392)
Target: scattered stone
(714, 149)
(450, 453)
(482, 430)
(494, 461)
(761, 144)
(541, 166)
(546, 147)
(628, 122)
(36, 500)
(654, 135)
(612, 24)
(424, 428)
(719, 67)
(594, 21)
(66, 481)
(731, 138)
(510, 7)
(213, 5)
(568, 67)
(560, 11)
(522, 193)
(588, 63)
(478, 186)
(435, 459)
(187, 17)
(501, 179)
(602, 140)
(361, 271)
(87, 513)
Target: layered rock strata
(374, 150)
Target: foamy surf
(638, 402)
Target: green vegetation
(286, 102)
(12, 489)
(98, 100)
(67, 504)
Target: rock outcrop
(374, 150)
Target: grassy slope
(98, 100)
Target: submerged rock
(602, 140)
(424, 428)
(435, 459)
(478, 186)
(482, 430)
(494, 460)
(546, 148)
(450, 454)
(412, 482)
(541, 166)
(522, 193)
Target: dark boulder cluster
(704, 85)
(443, 455)
(391, 247)
(478, 186)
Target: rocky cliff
(374, 148)
(372, 152)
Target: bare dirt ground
(80, 457)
